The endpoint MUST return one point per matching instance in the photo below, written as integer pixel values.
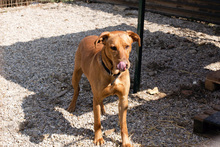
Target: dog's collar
(109, 71)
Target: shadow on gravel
(42, 120)
(178, 59)
(157, 19)
(45, 67)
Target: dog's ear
(102, 38)
(134, 36)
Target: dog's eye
(113, 48)
(127, 47)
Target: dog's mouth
(122, 66)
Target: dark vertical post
(140, 31)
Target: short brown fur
(92, 51)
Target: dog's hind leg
(75, 82)
(102, 108)
(77, 73)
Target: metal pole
(140, 30)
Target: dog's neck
(107, 64)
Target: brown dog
(104, 60)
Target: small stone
(171, 46)
(193, 51)
(187, 92)
(46, 136)
(153, 91)
(35, 133)
(202, 43)
(26, 124)
(119, 8)
(194, 82)
(23, 125)
(130, 12)
(152, 73)
(109, 132)
(162, 95)
(57, 143)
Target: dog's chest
(115, 88)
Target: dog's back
(87, 52)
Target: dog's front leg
(122, 107)
(98, 140)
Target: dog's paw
(71, 109)
(99, 141)
(127, 145)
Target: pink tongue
(121, 66)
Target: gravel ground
(37, 47)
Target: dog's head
(117, 47)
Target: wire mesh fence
(15, 3)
